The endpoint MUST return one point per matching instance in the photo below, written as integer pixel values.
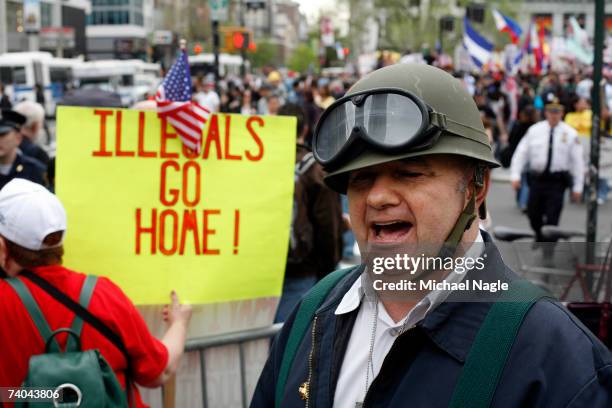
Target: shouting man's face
(410, 201)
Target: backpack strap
(35, 313)
(304, 316)
(487, 358)
(77, 324)
(88, 317)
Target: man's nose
(382, 194)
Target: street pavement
(502, 207)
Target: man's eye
(408, 174)
(360, 178)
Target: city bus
(20, 72)
(134, 80)
(202, 65)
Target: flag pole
(183, 44)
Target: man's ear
(4, 256)
(482, 192)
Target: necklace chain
(370, 365)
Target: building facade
(119, 29)
(553, 15)
(72, 33)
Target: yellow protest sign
(154, 216)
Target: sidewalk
(500, 175)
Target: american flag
(174, 103)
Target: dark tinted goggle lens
(391, 120)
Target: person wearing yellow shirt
(581, 120)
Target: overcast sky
(311, 7)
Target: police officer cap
(10, 120)
(551, 101)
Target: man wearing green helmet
(407, 146)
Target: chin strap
(466, 218)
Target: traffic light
(197, 49)
(236, 39)
(241, 40)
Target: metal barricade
(202, 344)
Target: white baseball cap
(28, 213)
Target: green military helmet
(463, 133)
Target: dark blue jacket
(554, 362)
(26, 168)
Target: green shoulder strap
(77, 324)
(304, 316)
(487, 357)
(35, 313)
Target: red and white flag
(174, 103)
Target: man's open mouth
(389, 231)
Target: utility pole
(243, 48)
(215, 34)
(57, 18)
(596, 132)
(3, 28)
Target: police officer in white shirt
(552, 153)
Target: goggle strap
(468, 132)
(438, 119)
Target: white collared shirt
(532, 152)
(351, 384)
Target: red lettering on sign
(119, 152)
(213, 136)
(141, 132)
(191, 165)
(190, 223)
(140, 230)
(165, 135)
(208, 231)
(102, 152)
(228, 155)
(162, 232)
(256, 138)
(236, 230)
(173, 192)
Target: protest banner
(154, 216)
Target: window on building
(14, 14)
(46, 14)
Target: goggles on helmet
(388, 119)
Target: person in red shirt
(32, 229)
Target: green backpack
(74, 378)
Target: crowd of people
(539, 126)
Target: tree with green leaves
(266, 54)
(408, 24)
(302, 58)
